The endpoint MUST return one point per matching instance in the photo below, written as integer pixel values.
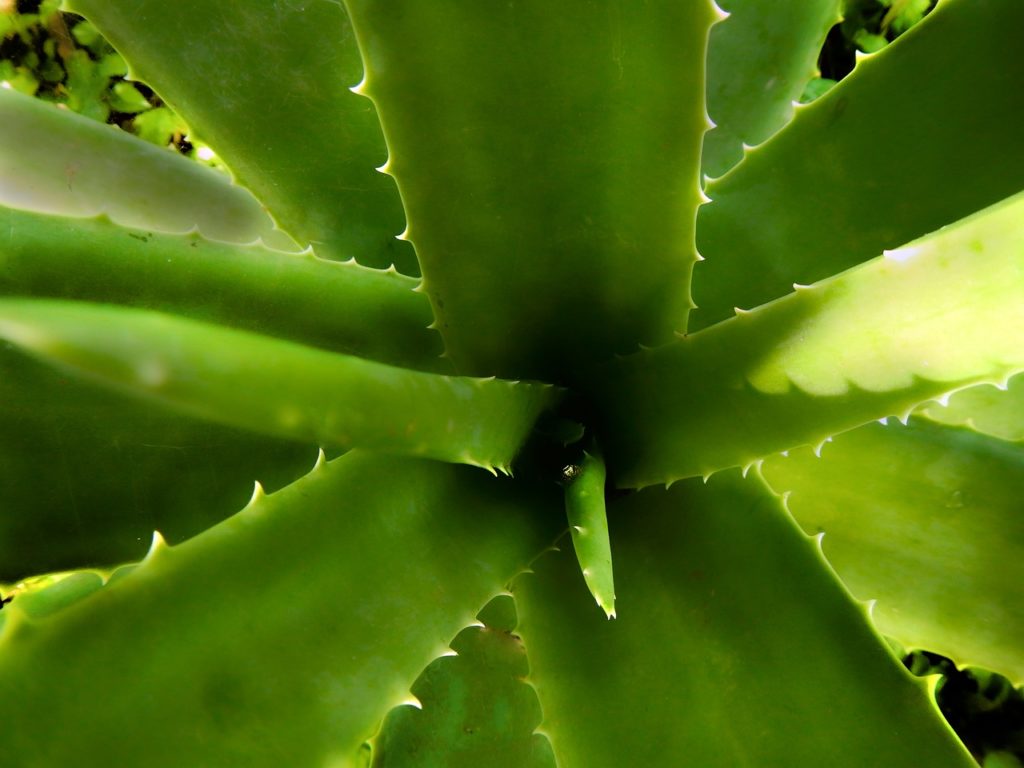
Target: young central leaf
(588, 524)
(548, 163)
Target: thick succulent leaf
(588, 526)
(277, 387)
(992, 410)
(935, 316)
(473, 708)
(735, 645)
(759, 60)
(86, 475)
(926, 520)
(340, 306)
(936, 110)
(280, 636)
(56, 161)
(549, 168)
(278, 112)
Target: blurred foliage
(984, 708)
(61, 58)
(867, 27)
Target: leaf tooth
(258, 493)
(860, 56)
(321, 461)
(157, 547)
(756, 464)
(360, 88)
(411, 700)
(720, 13)
(870, 606)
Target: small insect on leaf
(570, 472)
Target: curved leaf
(875, 341)
(279, 113)
(279, 388)
(86, 475)
(339, 306)
(56, 161)
(551, 186)
(927, 521)
(282, 634)
(735, 645)
(938, 109)
(759, 60)
(588, 526)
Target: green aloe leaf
(992, 410)
(551, 187)
(759, 60)
(878, 340)
(472, 708)
(731, 626)
(946, 89)
(70, 165)
(307, 149)
(588, 526)
(926, 520)
(87, 475)
(339, 306)
(200, 646)
(277, 387)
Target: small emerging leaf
(588, 524)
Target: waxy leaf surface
(872, 342)
(63, 163)
(937, 110)
(277, 387)
(87, 475)
(279, 111)
(992, 410)
(339, 306)
(272, 623)
(551, 186)
(473, 708)
(730, 623)
(925, 520)
(759, 60)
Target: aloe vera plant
(552, 384)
